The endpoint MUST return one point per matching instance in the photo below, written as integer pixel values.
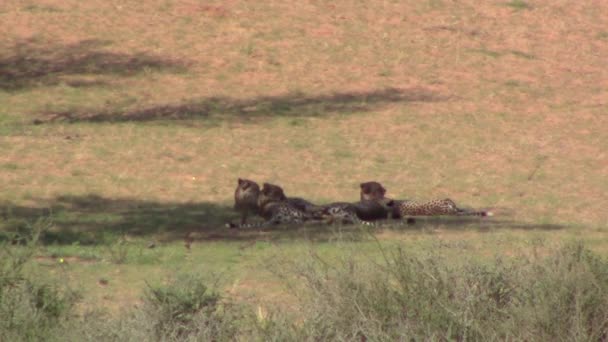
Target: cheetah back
(277, 213)
(435, 207)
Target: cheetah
(338, 211)
(374, 191)
(436, 207)
(353, 213)
(363, 210)
(247, 193)
(275, 208)
(371, 207)
(276, 193)
(246, 198)
(366, 210)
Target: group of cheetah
(271, 203)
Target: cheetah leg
(466, 212)
(352, 218)
(250, 225)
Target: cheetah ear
(240, 181)
(364, 187)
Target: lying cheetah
(374, 191)
(436, 207)
(246, 198)
(343, 212)
(276, 209)
(276, 193)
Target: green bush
(30, 309)
(187, 309)
(173, 309)
(563, 297)
(184, 310)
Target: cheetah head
(247, 185)
(271, 193)
(372, 191)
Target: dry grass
(495, 104)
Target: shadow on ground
(91, 219)
(30, 64)
(289, 105)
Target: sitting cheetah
(246, 198)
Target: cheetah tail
(247, 225)
(475, 213)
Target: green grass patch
(10, 166)
(86, 253)
(522, 54)
(518, 5)
(513, 83)
(343, 290)
(41, 9)
(486, 52)
(416, 297)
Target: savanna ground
(127, 122)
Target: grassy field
(125, 123)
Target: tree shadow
(31, 64)
(481, 224)
(92, 220)
(289, 105)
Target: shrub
(30, 308)
(183, 310)
(560, 297)
(174, 308)
(186, 309)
